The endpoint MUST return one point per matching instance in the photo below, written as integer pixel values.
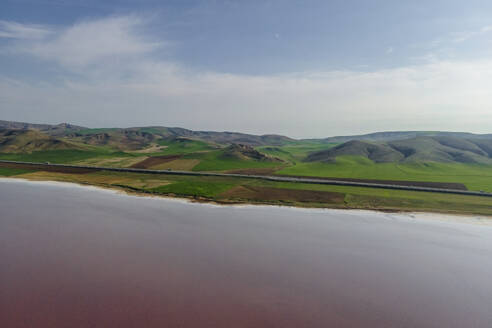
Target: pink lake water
(74, 256)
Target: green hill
(373, 151)
(28, 141)
(420, 149)
(246, 153)
(403, 135)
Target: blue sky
(300, 68)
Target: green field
(474, 176)
(200, 155)
(295, 151)
(182, 146)
(7, 172)
(209, 188)
(215, 188)
(216, 161)
(62, 156)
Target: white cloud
(14, 30)
(86, 43)
(139, 89)
(459, 37)
(440, 96)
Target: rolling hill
(402, 135)
(245, 152)
(138, 137)
(443, 157)
(419, 149)
(382, 147)
(27, 141)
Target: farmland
(428, 160)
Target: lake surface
(73, 256)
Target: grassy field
(61, 156)
(7, 172)
(215, 161)
(474, 176)
(280, 193)
(295, 151)
(210, 188)
(198, 155)
(182, 146)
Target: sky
(306, 69)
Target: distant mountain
(27, 141)
(401, 135)
(141, 137)
(137, 137)
(229, 137)
(418, 149)
(58, 129)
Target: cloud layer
(18, 31)
(121, 80)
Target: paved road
(266, 177)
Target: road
(265, 177)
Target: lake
(74, 256)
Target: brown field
(155, 160)
(280, 194)
(105, 180)
(112, 162)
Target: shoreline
(442, 216)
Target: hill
(50, 129)
(246, 153)
(402, 135)
(419, 149)
(373, 151)
(27, 141)
(134, 137)
(138, 137)
(118, 139)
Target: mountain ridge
(236, 137)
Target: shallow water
(74, 256)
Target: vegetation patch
(183, 146)
(8, 172)
(473, 176)
(177, 164)
(35, 168)
(295, 151)
(104, 161)
(215, 161)
(58, 156)
(196, 188)
(154, 161)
